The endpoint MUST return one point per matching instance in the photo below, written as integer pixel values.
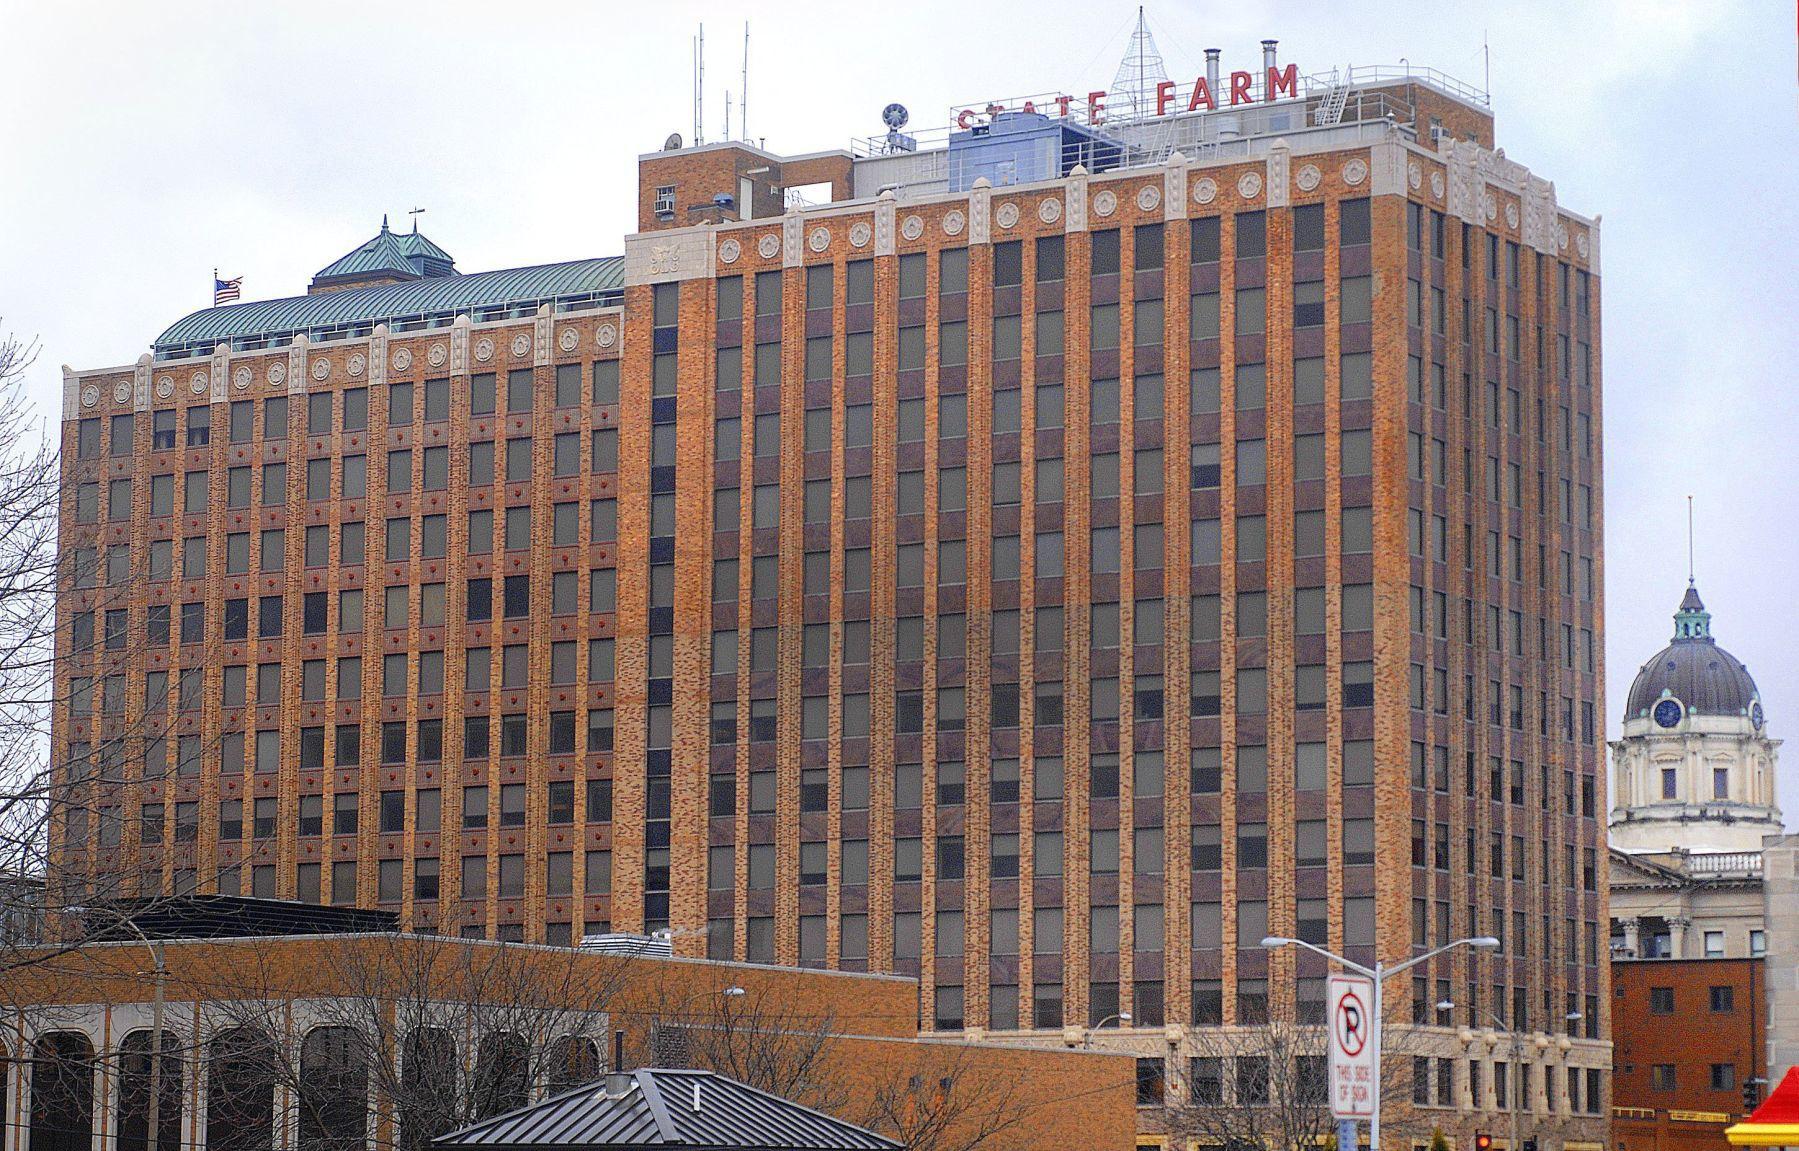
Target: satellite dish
(895, 116)
(673, 143)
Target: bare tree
(433, 1033)
(1268, 1086)
(940, 1099)
(930, 1096)
(31, 489)
(755, 1037)
(62, 810)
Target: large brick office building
(1064, 557)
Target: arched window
(334, 1091)
(574, 1061)
(135, 1072)
(240, 1091)
(62, 1093)
(428, 1085)
(502, 1074)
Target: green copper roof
(383, 255)
(422, 303)
(418, 247)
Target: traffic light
(1752, 1094)
(1483, 1141)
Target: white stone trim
(793, 235)
(980, 212)
(670, 256)
(1386, 169)
(1280, 161)
(1174, 187)
(297, 353)
(1074, 208)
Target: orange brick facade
(1044, 591)
(1673, 1095)
(1068, 1100)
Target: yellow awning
(1747, 1134)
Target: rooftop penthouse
(1216, 117)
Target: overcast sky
(142, 144)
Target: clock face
(1667, 712)
(1755, 714)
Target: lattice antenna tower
(1133, 94)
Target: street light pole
(1515, 1046)
(154, 1118)
(1379, 974)
(1122, 1017)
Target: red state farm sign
(1170, 97)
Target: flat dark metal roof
(230, 916)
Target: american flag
(225, 291)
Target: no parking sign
(1350, 1005)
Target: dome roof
(1705, 678)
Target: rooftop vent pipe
(1212, 71)
(1268, 56)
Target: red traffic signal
(1483, 1141)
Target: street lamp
(1379, 974)
(726, 993)
(1121, 1017)
(1515, 1045)
(154, 1118)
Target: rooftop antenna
(415, 214)
(743, 97)
(699, 87)
(727, 113)
(1140, 71)
(1486, 56)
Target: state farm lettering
(1170, 97)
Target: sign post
(1354, 1051)
(1354, 1012)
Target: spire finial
(384, 221)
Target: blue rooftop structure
(1024, 147)
(424, 302)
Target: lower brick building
(1689, 1043)
(346, 1041)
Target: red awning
(1776, 1122)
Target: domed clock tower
(1694, 771)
